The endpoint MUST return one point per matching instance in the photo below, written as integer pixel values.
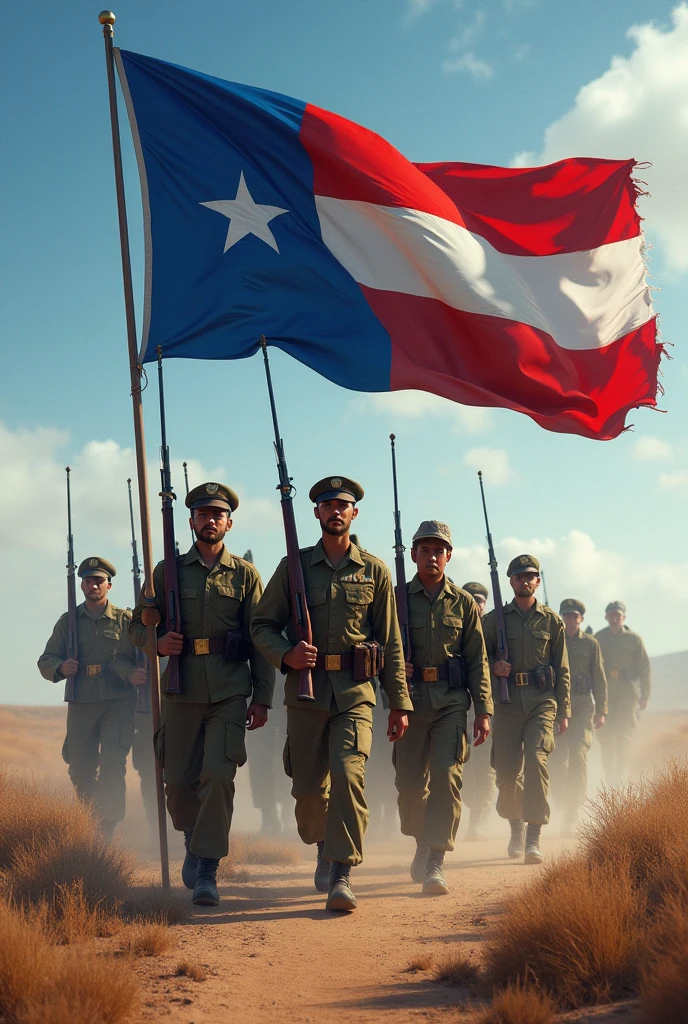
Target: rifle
(544, 586)
(400, 567)
(502, 649)
(186, 484)
(72, 638)
(297, 584)
(143, 700)
(172, 608)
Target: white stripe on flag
(583, 300)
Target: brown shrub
(517, 1004)
(72, 919)
(27, 961)
(147, 938)
(423, 962)
(193, 971)
(664, 985)
(458, 970)
(85, 990)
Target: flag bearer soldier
(448, 670)
(569, 760)
(128, 667)
(353, 617)
(627, 668)
(523, 730)
(201, 741)
(100, 716)
(478, 788)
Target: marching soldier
(100, 717)
(569, 760)
(353, 618)
(449, 669)
(128, 667)
(627, 668)
(478, 776)
(523, 730)
(201, 741)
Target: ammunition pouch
(237, 645)
(368, 660)
(544, 677)
(457, 674)
(581, 683)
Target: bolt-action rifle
(172, 606)
(72, 638)
(502, 649)
(400, 590)
(143, 698)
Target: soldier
(202, 738)
(569, 760)
(627, 667)
(478, 776)
(352, 610)
(128, 667)
(100, 717)
(448, 667)
(523, 730)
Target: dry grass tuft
(664, 986)
(193, 971)
(420, 963)
(72, 919)
(517, 1004)
(458, 970)
(147, 938)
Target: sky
(506, 82)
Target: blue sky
(485, 82)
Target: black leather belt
(430, 673)
(205, 645)
(334, 662)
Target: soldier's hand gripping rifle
(502, 649)
(72, 638)
(143, 699)
(400, 590)
(297, 584)
(172, 605)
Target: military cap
(332, 487)
(212, 495)
(476, 590)
(616, 606)
(96, 566)
(523, 563)
(433, 528)
(571, 604)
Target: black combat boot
(419, 862)
(321, 879)
(515, 849)
(190, 865)
(205, 892)
(434, 883)
(341, 897)
(533, 854)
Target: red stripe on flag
(489, 361)
(569, 206)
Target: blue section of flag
(201, 140)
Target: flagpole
(151, 617)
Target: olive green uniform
(568, 763)
(127, 659)
(430, 757)
(523, 731)
(100, 717)
(329, 739)
(201, 740)
(478, 779)
(627, 668)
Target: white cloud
(421, 405)
(652, 449)
(470, 65)
(521, 52)
(464, 60)
(638, 108)
(674, 481)
(467, 35)
(493, 462)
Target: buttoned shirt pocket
(452, 627)
(188, 593)
(110, 637)
(358, 600)
(417, 628)
(227, 605)
(316, 596)
(541, 640)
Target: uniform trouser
(428, 761)
(616, 741)
(200, 746)
(478, 780)
(381, 794)
(325, 756)
(568, 762)
(264, 763)
(143, 759)
(99, 737)
(521, 743)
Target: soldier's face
(95, 588)
(210, 524)
(524, 584)
(572, 621)
(431, 557)
(335, 516)
(615, 620)
(481, 603)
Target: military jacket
(347, 606)
(97, 641)
(536, 639)
(212, 602)
(587, 670)
(626, 664)
(449, 625)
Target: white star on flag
(246, 217)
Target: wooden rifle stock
(72, 638)
(143, 697)
(172, 606)
(502, 649)
(400, 591)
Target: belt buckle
(429, 675)
(521, 679)
(202, 646)
(93, 670)
(333, 662)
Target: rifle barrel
(172, 608)
(72, 639)
(400, 590)
(500, 622)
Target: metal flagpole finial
(106, 18)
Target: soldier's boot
(419, 862)
(205, 891)
(515, 848)
(190, 865)
(533, 854)
(341, 897)
(321, 879)
(107, 830)
(475, 826)
(434, 883)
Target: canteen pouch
(582, 683)
(456, 672)
(369, 658)
(544, 677)
(237, 645)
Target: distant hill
(670, 682)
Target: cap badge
(93, 562)
(524, 559)
(211, 488)
(336, 481)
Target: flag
(522, 288)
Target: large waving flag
(511, 287)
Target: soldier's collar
(416, 587)
(226, 557)
(320, 556)
(109, 611)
